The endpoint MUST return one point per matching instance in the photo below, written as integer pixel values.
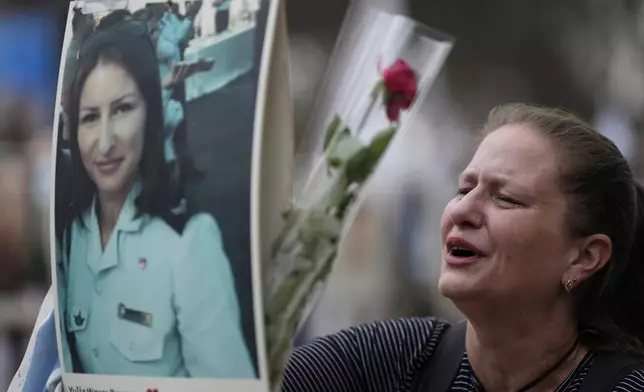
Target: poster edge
(53, 246)
(268, 47)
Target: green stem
(375, 93)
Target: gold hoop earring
(569, 285)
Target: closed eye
(464, 191)
(508, 200)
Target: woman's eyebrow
(114, 102)
(123, 97)
(468, 175)
(495, 180)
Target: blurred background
(586, 56)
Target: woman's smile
(108, 167)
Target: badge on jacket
(135, 316)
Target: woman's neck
(109, 209)
(509, 351)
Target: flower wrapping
(349, 132)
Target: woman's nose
(106, 138)
(467, 212)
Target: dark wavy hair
(113, 18)
(602, 197)
(78, 19)
(128, 45)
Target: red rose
(400, 88)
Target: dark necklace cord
(543, 375)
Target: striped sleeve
(380, 356)
(634, 382)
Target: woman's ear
(593, 253)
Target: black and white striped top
(387, 356)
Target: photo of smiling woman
(143, 290)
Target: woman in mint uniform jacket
(143, 291)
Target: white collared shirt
(152, 302)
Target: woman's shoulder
(413, 330)
(384, 352)
(633, 382)
(416, 332)
(632, 376)
(199, 239)
(201, 235)
(201, 224)
(411, 340)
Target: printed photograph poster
(155, 129)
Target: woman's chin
(111, 187)
(455, 287)
(115, 184)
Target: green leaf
(381, 142)
(336, 190)
(343, 146)
(344, 205)
(331, 131)
(335, 162)
(359, 166)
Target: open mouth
(459, 251)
